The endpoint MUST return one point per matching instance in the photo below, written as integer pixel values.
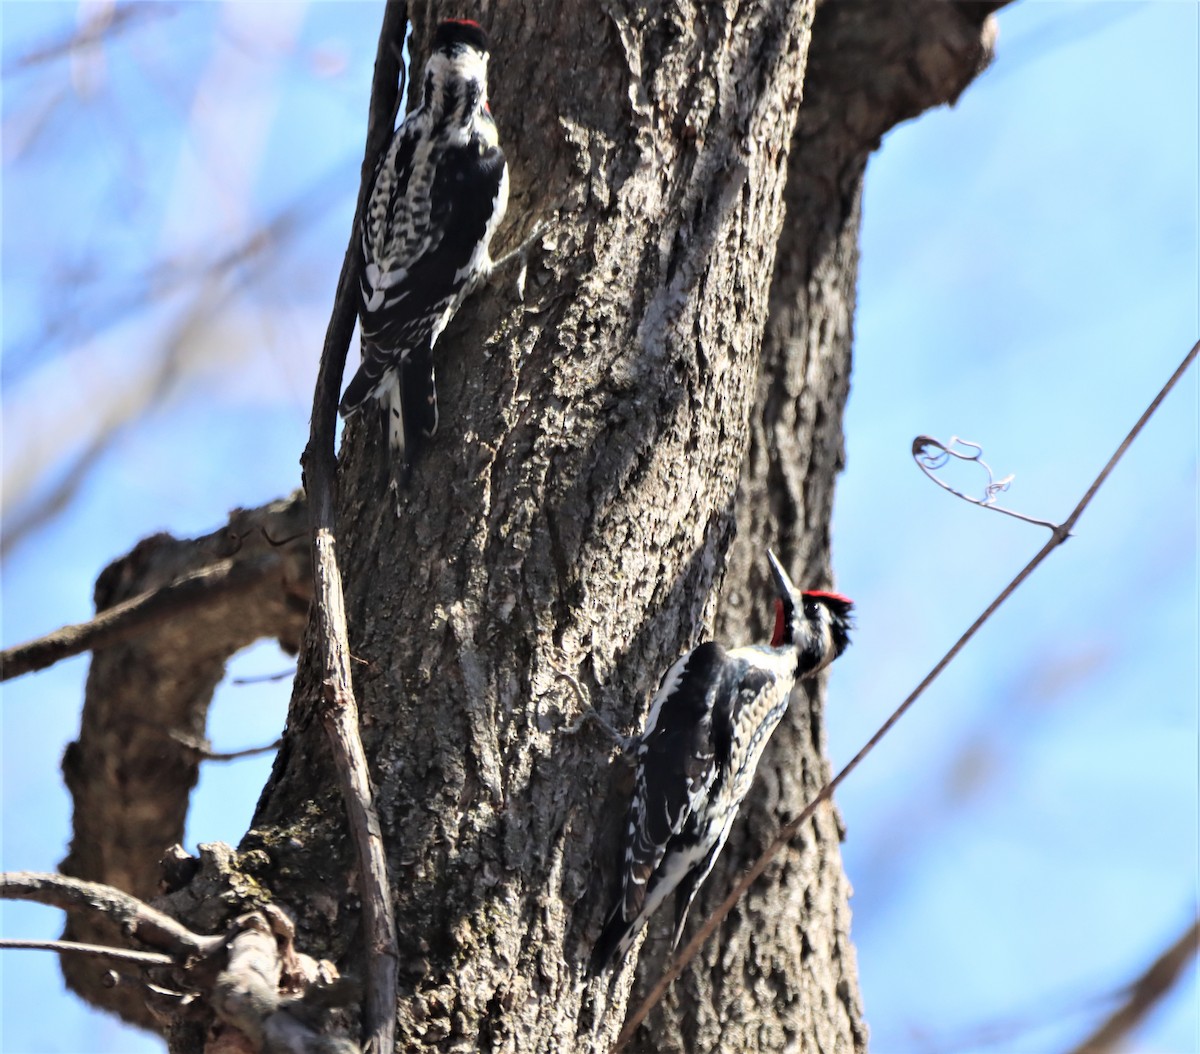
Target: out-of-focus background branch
(1143, 995)
(178, 181)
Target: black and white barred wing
(675, 774)
(757, 707)
(426, 230)
(708, 827)
(401, 230)
(675, 767)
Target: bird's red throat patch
(777, 636)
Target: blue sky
(1026, 839)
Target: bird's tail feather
(614, 941)
(358, 391)
(418, 395)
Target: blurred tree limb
(210, 285)
(105, 22)
(129, 777)
(1144, 994)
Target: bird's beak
(784, 583)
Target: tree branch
(151, 683)
(202, 749)
(102, 27)
(214, 584)
(131, 915)
(1144, 994)
(255, 987)
(339, 710)
(100, 951)
(789, 830)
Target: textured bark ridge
(564, 537)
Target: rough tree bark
(566, 535)
(673, 376)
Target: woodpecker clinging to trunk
(440, 192)
(708, 725)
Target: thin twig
(102, 27)
(98, 950)
(1144, 994)
(789, 830)
(1009, 1033)
(265, 678)
(121, 621)
(139, 920)
(339, 712)
(203, 751)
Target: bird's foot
(521, 255)
(522, 250)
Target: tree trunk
(564, 537)
(570, 523)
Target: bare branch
(202, 749)
(339, 713)
(265, 678)
(102, 26)
(264, 980)
(130, 780)
(789, 830)
(133, 916)
(97, 950)
(1144, 994)
(210, 585)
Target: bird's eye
(810, 609)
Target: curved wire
(932, 454)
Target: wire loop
(932, 455)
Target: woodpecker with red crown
(440, 192)
(708, 725)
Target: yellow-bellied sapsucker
(439, 194)
(708, 725)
